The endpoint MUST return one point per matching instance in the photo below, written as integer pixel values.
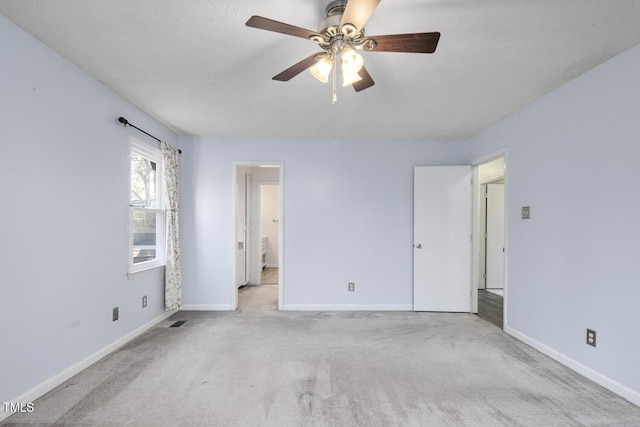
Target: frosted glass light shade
(352, 62)
(349, 78)
(322, 68)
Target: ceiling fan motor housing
(336, 7)
(330, 26)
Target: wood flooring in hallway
(490, 307)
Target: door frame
(477, 240)
(235, 165)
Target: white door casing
(442, 239)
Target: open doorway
(490, 248)
(258, 245)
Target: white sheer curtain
(173, 276)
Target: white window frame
(153, 154)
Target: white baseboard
(206, 307)
(307, 307)
(48, 385)
(347, 307)
(621, 390)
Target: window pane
(143, 181)
(144, 236)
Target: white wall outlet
(526, 212)
(352, 287)
(144, 301)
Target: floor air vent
(178, 324)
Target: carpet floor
(260, 367)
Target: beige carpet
(261, 367)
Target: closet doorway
(257, 242)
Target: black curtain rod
(125, 122)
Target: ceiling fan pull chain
(335, 94)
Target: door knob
(418, 246)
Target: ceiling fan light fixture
(322, 68)
(349, 78)
(341, 34)
(352, 62)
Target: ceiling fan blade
(280, 27)
(296, 69)
(411, 43)
(358, 12)
(366, 81)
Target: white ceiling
(194, 66)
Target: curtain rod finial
(124, 121)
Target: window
(146, 208)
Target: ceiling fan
(340, 36)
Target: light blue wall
(63, 216)
(573, 157)
(347, 217)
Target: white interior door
(242, 226)
(495, 237)
(442, 239)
